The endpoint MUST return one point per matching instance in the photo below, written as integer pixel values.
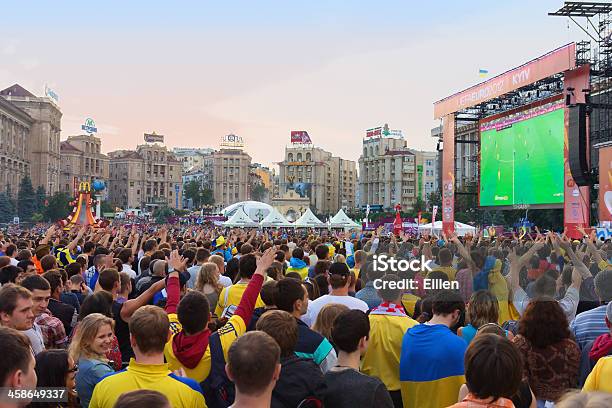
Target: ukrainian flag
(431, 366)
(483, 73)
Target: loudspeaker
(577, 144)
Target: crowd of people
(198, 316)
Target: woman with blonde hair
(325, 319)
(89, 347)
(208, 283)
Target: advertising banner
(605, 184)
(448, 174)
(559, 60)
(153, 138)
(303, 189)
(300, 136)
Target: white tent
(275, 219)
(341, 220)
(460, 228)
(308, 220)
(240, 219)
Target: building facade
(194, 158)
(427, 173)
(146, 178)
(329, 182)
(15, 127)
(230, 176)
(387, 172)
(43, 145)
(82, 160)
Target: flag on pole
(483, 73)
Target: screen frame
(552, 99)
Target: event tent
(309, 220)
(460, 228)
(341, 220)
(240, 219)
(275, 219)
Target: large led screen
(521, 158)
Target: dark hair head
(252, 361)
(149, 244)
(99, 302)
(246, 249)
(348, 328)
(321, 282)
(23, 264)
(371, 273)
(10, 250)
(52, 368)
(108, 278)
(544, 322)
(293, 275)
(322, 251)
(268, 293)
(493, 367)
(446, 302)
(142, 398)
(88, 246)
(298, 253)
(54, 278)
(446, 256)
(9, 274)
(35, 282)
(124, 255)
(73, 269)
(282, 327)
(248, 265)
(48, 262)
(321, 267)
(193, 312)
(17, 353)
(288, 291)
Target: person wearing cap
(221, 248)
(340, 280)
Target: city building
(261, 176)
(387, 170)
(43, 145)
(194, 158)
(15, 127)
(148, 177)
(328, 181)
(427, 173)
(230, 176)
(81, 160)
(291, 205)
(466, 156)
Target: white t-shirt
(316, 305)
(225, 281)
(14, 262)
(128, 269)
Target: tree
(7, 208)
(41, 197)
(106, 207)
(434, 198)
(192, 192)
(419, 205)
(259, 192)
(208, 197)
(161, 214)
(58, 207)
(26, 200)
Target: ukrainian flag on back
(431, 366)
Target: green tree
(258, 192)
(106, 207)
(208, 197)
(192, 191)
(434, 198)
(161, 214)
(419, 205)
(41, 197)
(26, 200)
(7, 208)
(58, 207)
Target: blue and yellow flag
(483, 73)
(431, 366)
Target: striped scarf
(390, 309)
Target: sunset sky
(259, 69)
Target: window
(308, 157)
(290, 157)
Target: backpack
(219, 391)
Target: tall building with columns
(15, 127)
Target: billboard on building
(153, 138)
(300, 136)
(302, 189)
(605, 184)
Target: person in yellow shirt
(149, 328)
(446, 264)
(191, 348)
(388, 324)
(229, 298)
(600, 378)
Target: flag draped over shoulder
(431, 366)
